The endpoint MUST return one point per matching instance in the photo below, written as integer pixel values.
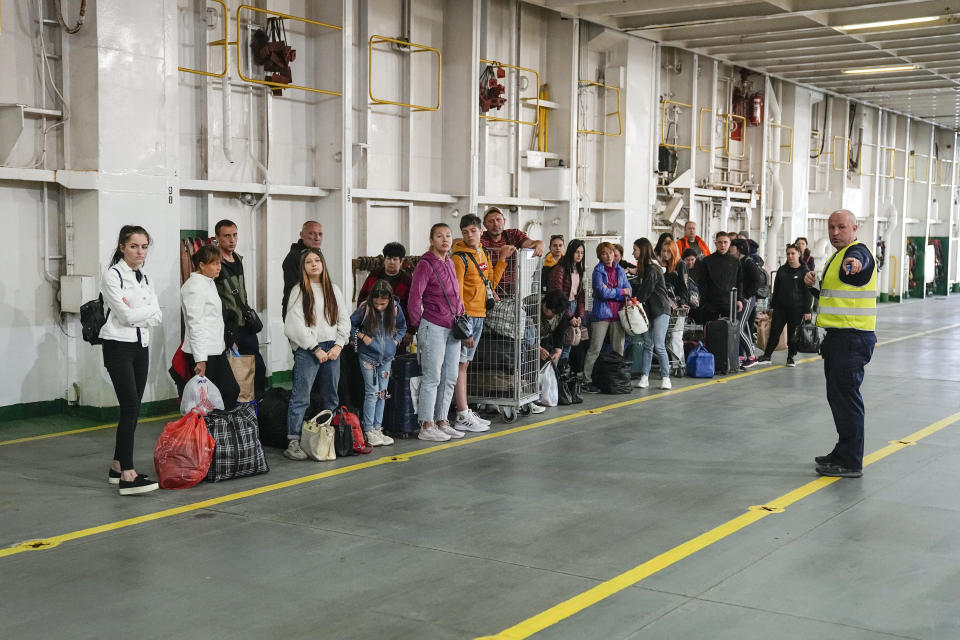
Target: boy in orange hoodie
(476, 279)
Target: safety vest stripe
(847, 311)
(839, 293)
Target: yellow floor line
(71, 432)
(604, 590)
(47, 543)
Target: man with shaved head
(848, 312)
(311, 236)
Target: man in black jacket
(311, 236)
(720, 273)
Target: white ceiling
(802, 41)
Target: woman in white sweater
(131, 307)
(318, 327)
(203, 325)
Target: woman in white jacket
(131, 308)
(203, 325)
(318, 327)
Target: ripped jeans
(376, 376)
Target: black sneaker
(791, 363)
(142, 484)
(764, 359)
(829, 458)
(834, 470)
(590, 388)
(113, 477)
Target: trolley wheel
(509, 414)
(679, 372)
(524, 410)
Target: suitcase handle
(733, 304)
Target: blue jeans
(655, 340)
(375, 379)
(439, 354)
(306, 369)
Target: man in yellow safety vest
(848, 312)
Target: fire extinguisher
(756, 109)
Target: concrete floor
(470, 540)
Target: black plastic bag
(611, 373)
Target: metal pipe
(227, 118)
(774, 114)
(45, 226)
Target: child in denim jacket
(378, 326)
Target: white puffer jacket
(131, 306)
(202, 317)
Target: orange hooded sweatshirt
(472, 290)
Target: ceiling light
(902, 67)
(886, 23)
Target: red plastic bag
(183, 453)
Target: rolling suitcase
(400, 414)
(272, 417)
(723, 340)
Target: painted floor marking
(752, 516)
(71, 432)
(755, 513)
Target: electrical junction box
(75, 291)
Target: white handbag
(316, 440)
(634, 320)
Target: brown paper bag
(763, 333)
(243, 368)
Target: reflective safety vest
(844, 306)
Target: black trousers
(781, 318)
(221, 375)
(845, 354)
(248, 345)
(127, 364)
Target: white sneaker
(643, 382)
(384, 438)
(665, 383)
(449, 431)
(432, 433)
(373, 437)
(536, 408)
(294, 452)
(478, 419)
(468, 421)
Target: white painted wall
(144, 127)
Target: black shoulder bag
(461, 323)
(251, 319)
(491, 296)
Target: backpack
(93, 317)
(347, 429)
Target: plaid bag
(237, 452)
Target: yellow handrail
(728, 118)
(494, 63)
(700, 146)
(375, 39)
(217, 43)
(663, 123)
(891, 162)
(860, 161)
(816, 146)
(833, 152)
(912, 167)
(268, 83)
(618, 112)
(788, 146)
